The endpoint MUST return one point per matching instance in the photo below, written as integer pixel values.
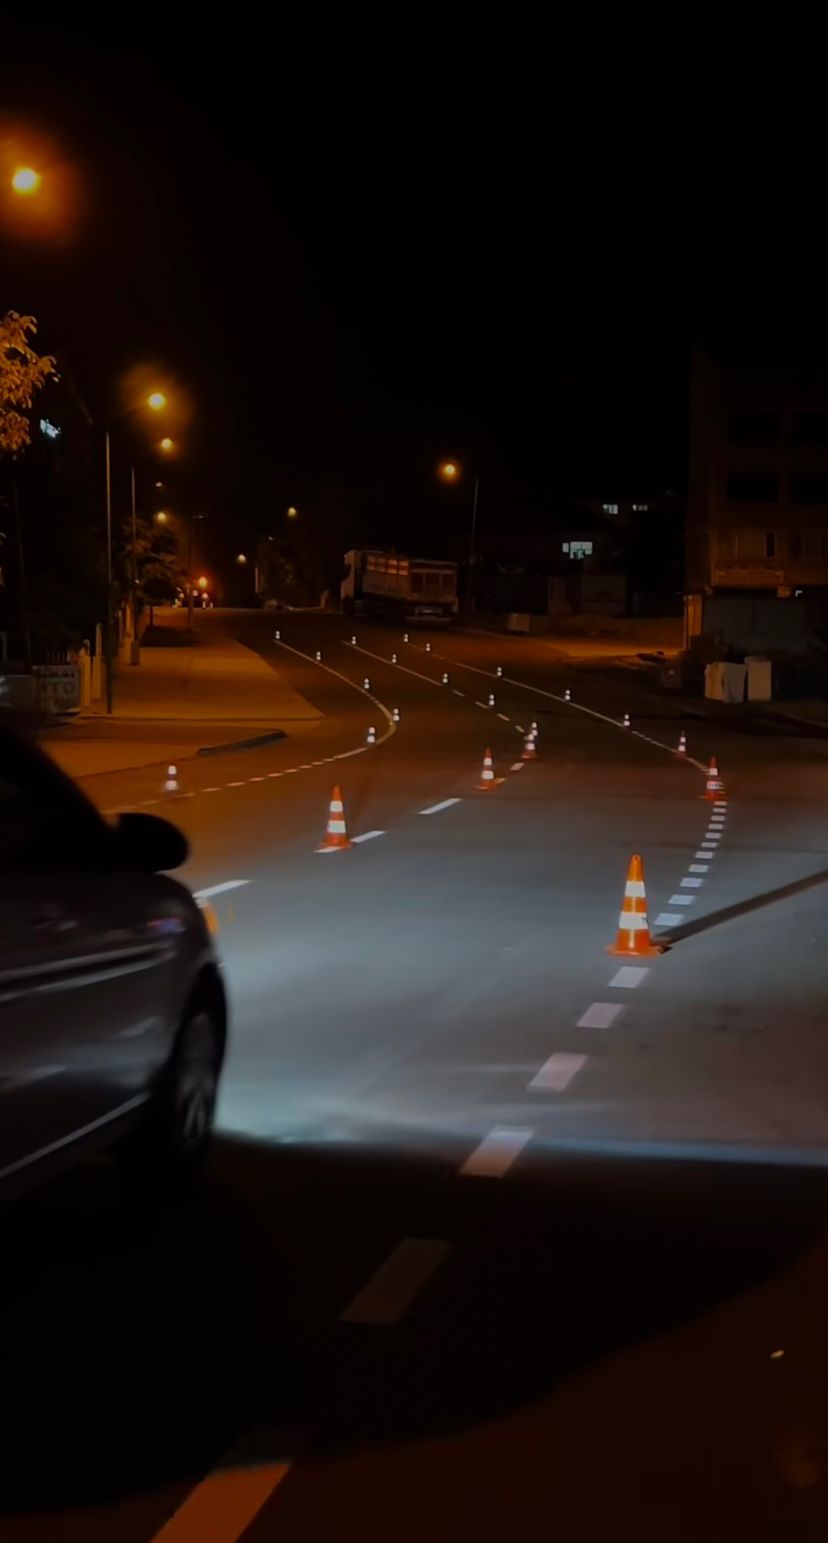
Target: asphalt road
(495, 1238)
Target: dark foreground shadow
(141, 1342)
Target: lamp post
(451, 471)
(156, 401)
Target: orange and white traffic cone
(714, 787)
(529, 747)
(371, 737)
(626, 722)
(681, 747)
(336, 833)
(487, 776)
(172, 784)
(633, 940)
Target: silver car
(113, 1017)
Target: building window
(577, 549)
(753, 428)
(610, 508)
(752, 487)
(810, 487)
(810, 428)
(809, 546)
(640, 508)
(752, 545)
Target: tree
(157, 559)
(22, 373)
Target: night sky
(361, 249)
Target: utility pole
(472, 541)
(135, 657)
(108, 629)
(21, 577)
(190, 571)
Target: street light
(25, 180)
(292, 513)
(156, 400)
(202, 582)
(451, 471)
(166, 444)
(241, 559)
(161, 516)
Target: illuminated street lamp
(161, 516)
(166, 444)
(451, 471)
(292, 513)
(241, 559)
(156, 400)
(25, 181)
(202, 582)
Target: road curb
(242, 744)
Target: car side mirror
(146, 844)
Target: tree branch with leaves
(22, 373)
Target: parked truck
(393, 587)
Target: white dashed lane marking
(436, 808)
(699, 867)
(385, 1297)
(235, 784)
(219, 889)
(629, 975)
(367, 835)
(518, 766)
(692, 883)
(458, 693)
(666, 919)
(599, 1016)
(556, 1074)
(496, 1152)
(681, 899)
(504, 717)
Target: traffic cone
(633, 940)
(318, 655)
(277, 636)
(445, 678)
(626, 723)
(681, 747)
(428, 648)
(405, 637)
(491, 699)
(533, 728)
(366, 684)
(499, 671)
(353, 640)
(371, 737)
(393, 659)
(336, 834)
(395, 714)
(487, 776)
(529, 748)
(172, 784)
(567, 695)
(714, 787)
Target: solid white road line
(392, 727)
(667, 919)
(629, 975)
(691, 883)
(556, 1074)
(599, 1016)
(224, 1504)
(681, 900)
(367, 835)
(496, 1152)
(436, 808)
(388, 1294)
(699, 867)
(219, 889)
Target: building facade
(757, 511)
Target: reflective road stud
(633, 940)
(336, 834)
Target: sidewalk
(188, 693)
